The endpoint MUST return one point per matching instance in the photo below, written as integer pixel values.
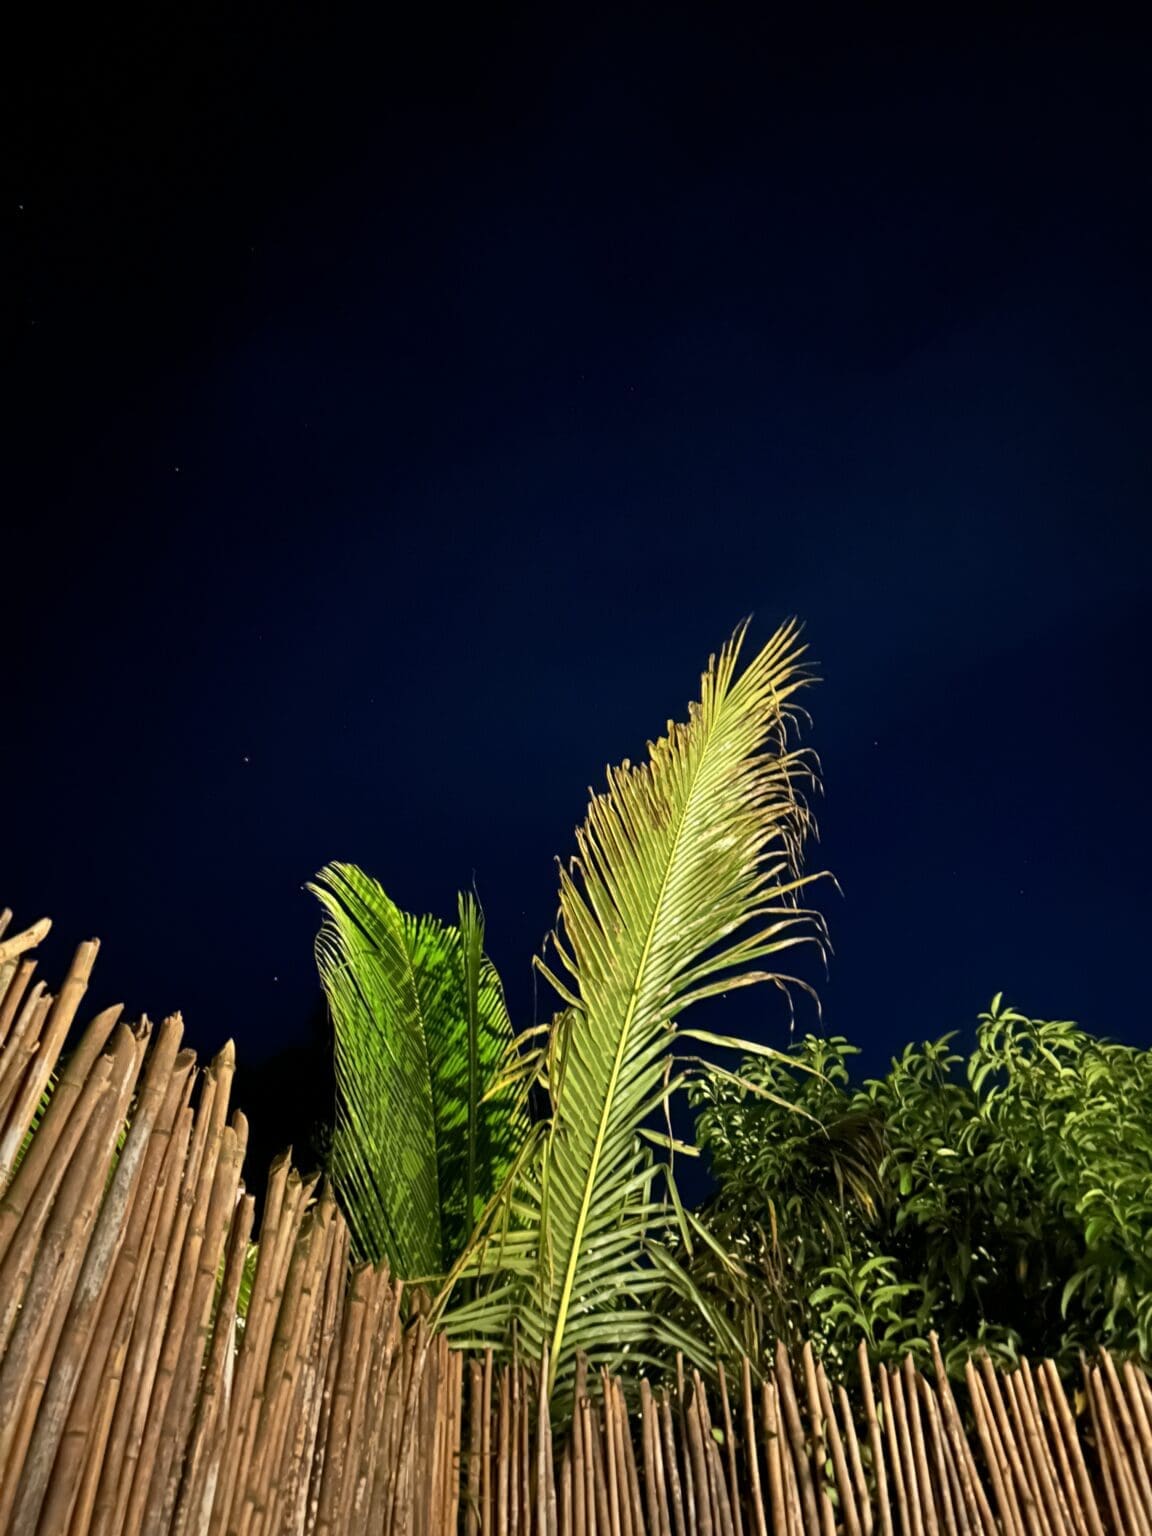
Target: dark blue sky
(398, 418)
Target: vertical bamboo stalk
(875, 1440)
(613, 1480)
(751, 1450)
(1129, 1437)
(689, 1477)
(52, 1283)
(524, 1450)
(453, 1524)
(579, 1458)
(730, 1449)
(773, 1455)
(337, 1454)
(1031, 1509)
(672, 1465)
(1049, 1446)
(283, 1216)
(503, 1433)
(81, 1452)
(1113, 1493)
(108, 1234)
(852, 1523)
(855, 1462)
(196, 1305)
(819, 1443)
(298, 1453)
(338, 1287)
(566, 1491)
(800, 1463)
(1034, 1451)
(1126, 1484)
(1068, 1480)
(976, 1506)
(475, 1444)
(192, 1509)
(20, 1260)
(515, 1514)
(648, 1446)
(911, 1405)
(703, 1498)
(904, 1451)
(630, 1470)
(171, 1320)
(1140, 1413)
(905, 1497)
(1066, 1423)
(379, 1411)
(995, 1459)
(593, 1488)
(947, 1484)
(792, 1504)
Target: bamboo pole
(18, 977)
(56, 1268)
(875, 1440)
(908, 1400)
(109, 1232)
(852, 1522)
(81, 1450)
(116, 1391)
(193, 1506)
(1115, 1495)
(795, 1435)
(995, 1458)
(1130, 1438)
(38, 1160)
(17, 1062)
(730, 1450)
(20, 943)
(54, 1033)
(947, 1484)
(774, 1453)
(672, 1466)
(976, 1506)
(20, 1260)
(1067, 1426)
(904, 1497)
(855, 1461)
(751, 1452)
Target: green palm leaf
(425, 1132)
(686, 878)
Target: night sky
(397, 417)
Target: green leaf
(687, 870)
(426, 1128)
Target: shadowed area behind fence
(137, 1394)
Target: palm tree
(425, 1128)
(686, 880)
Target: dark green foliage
(1005, 1202)
(425, 1128)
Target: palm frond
(686, 879)
(421, 1033)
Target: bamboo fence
(138, 1396)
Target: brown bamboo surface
(134, 1399)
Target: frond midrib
(605, 1113)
